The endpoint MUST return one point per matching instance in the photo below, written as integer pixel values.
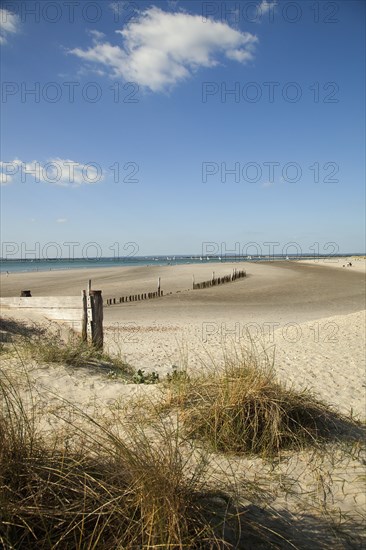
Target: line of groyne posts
(136, 297)
(214, 281)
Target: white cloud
(160, 49)
(96, 35)
(56, 171)
(265, 6)
(9, 24)
(61, 220)
(119, 6)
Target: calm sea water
(17, 266)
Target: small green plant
(140, 377)
(177, 375)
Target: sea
(24, 265)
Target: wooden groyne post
(92, 316)
(25, 294)
(96, 303)
(137, 297)
(219, 280)
(84, 317)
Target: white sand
(358, 263)
(311, 316)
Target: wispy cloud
(9, 24)
(57, 171)
(160, 49)
(96, 35)
(265, 6)
(61, 220)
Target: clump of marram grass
(50, 347)
(243, 408)
(107, 492)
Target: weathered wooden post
(96, 301)
(158, 286)
(84, 316)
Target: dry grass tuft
(129, 492)
(242, 408)
(48, 345)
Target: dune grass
(105, 491)
(124, 483)
(50, 348)
(47, 345)
(243, 408)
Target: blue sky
(145, 86)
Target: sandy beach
(308, 318)
(309, 314)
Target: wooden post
(84, 317)
(88, 318)
(89, 287)
(158, 286)
(97, 318)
